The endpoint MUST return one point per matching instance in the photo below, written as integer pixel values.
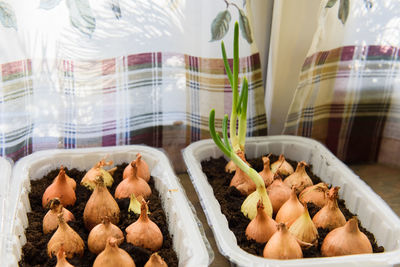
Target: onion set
(113, 256)
(262, 227)
(304, 229)
(155, 260)
(299, 179)
(101, 204)
(266, 173)
(89, 180)
(316, 194)
(278, 193)
(142, 169)
(62, 189)
(66, 237)
(290, 210)
(346, 240)
(50, 220)
(133, 184)
(330, 216)
(61, 260)
(282, 245)
(241, 180)
(99, 235)
(144, 232)
(282, 166)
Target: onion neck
(352, 226)
(143, 212)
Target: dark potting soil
(34, 252)
(230, 200)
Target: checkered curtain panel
(349, 99)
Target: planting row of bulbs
(291, 228)
(101, 216)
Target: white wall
(293, 25)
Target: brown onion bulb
(101, 204)
(316, 194)
(61, 189)
(70, 181)
(61, 260)
(50, 220)
(282, 166)
(282, 245)
(99, 235)
(299, 179)
(330, 216)
(142, 169)
(89, 180)
(346, 240)
(230, 167)
(113, 256)
(304, 229)
(266, 173)
(278, 193)
(290, 210)
(155, 260)
(133, 185)
(144, 233)
(241, 180)
(65, 236)
(262, 227)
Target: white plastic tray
(189, 242)
(374, 213)
(5, 174)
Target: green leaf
(7, 16)
(81, 16)
(220, 25)
(343, 10)
(116, 8)
(330, 3)
(245, 26)
(48, 4)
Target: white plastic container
(5, 175)
(374, 214)
(189, 241)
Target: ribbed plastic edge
(372, 211)
(187, 238)
(5, 175)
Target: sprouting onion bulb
(241, 180)
(304, 229)
(89, 179)
(113, 256)
(299, 179)
(290, 210)
(330, 216)
(144, 232)
(142, 169)
(282, 245)
(135, 204)
(282, 166)
(66, 237)
(262, 227)
(50, 220)
(346, 240)
(155, 260)
(316, 194)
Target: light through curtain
(80, 73)
(348, 95)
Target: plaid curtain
(348, 98)
(86, 74)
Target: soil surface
(35, 250)
(231, 200)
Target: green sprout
(239, 111)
